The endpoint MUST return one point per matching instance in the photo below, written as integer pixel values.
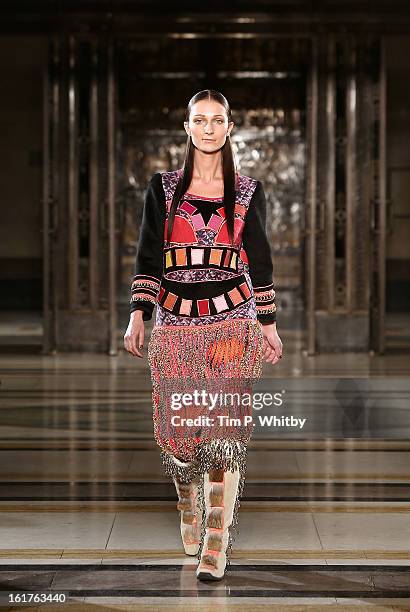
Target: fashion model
(204, 261)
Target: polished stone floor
(86, 511)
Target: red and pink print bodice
(199, 277)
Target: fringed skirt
(202, 379)
(220, 360)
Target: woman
(204, 260)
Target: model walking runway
(205, 262)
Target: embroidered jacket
(199, 274)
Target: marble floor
(86, 512)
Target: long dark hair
(228, 167)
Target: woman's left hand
(272, 344)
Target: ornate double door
(346, 195)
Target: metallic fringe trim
(227, 455)
(184, 473)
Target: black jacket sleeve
(149, 259)
(256, 245)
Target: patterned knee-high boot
(189, 509)
(221, 489)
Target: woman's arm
(149, 258)
(256, 245)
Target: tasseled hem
(183, 473)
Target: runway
(86, 510)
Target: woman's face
(208, 125)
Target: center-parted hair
(228, 166)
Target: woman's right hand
(134, 336)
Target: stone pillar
(79, 196)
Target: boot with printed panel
(189, 510)
(221, 490)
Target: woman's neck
(207, 167)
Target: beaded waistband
(207, 326)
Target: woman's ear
(186, 124)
